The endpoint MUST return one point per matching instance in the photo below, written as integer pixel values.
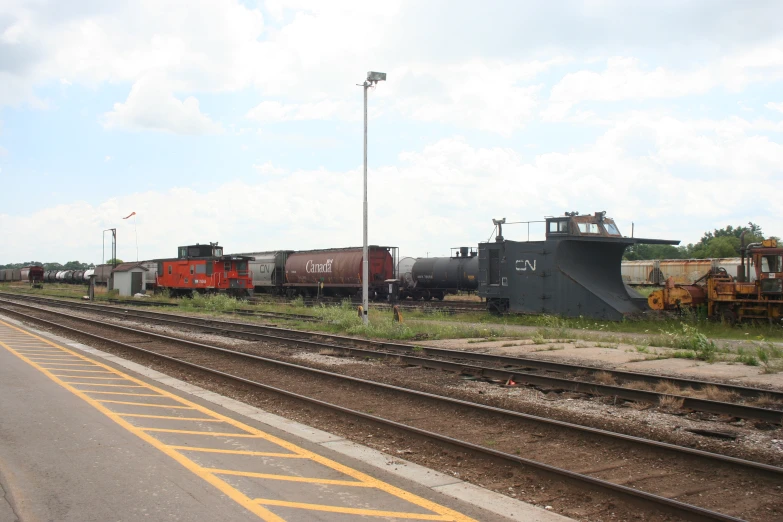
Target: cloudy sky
(241, 122)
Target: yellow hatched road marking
(350, 511)
(290, 478)
(223, 486)
(122, 393)
(141, 404)
(97, 378)
(241, 452)
(444, 513)
(62, 361)
(145, 416)
(209, 433)
(103, 384)
(69, 370)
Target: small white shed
(129, 279)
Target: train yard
(589, 442)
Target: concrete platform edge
(428, 478)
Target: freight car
(435, 277)
(574, 272)
(682, 271)
(268, 270)
(32, 274)
(338, 271)
(204, 269)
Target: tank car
(204, 269)
(151, 275)
(436, 277)
(87, 274)
(338, 271)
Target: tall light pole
(372, 79)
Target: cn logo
(523, 264)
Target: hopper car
(338, 271)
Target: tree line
(70, 265)
(721, 242)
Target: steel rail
(442, 398)
(518, 362)
(516, 375)
(704, 405)
(674, 506)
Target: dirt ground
(620, 356)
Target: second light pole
(372, 79)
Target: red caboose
(204, 269)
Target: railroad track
(624, 471)
(501, 369)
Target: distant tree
(721, 242)
(112, 261)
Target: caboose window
(191, 268)
(201, 269)
(218, 252)
(169, 269)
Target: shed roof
(126, 267)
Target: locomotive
(204, 269)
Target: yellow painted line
(69, 370)
(97, 378)
(289, 478)
(223, 486)
(103, 384)
(350, 511)
(145, 416)
(142, 404)
(241, 452)
(62, 363)
(209, 433)
(444, 513)
(122, 393)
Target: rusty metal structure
(574, 272)
(755, 294)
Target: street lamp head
(373, 76)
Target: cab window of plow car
(558, 227)
(771, 263)
(611, 229)
(588, 228)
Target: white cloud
(624, 78)
(775, 106)
(151, 107)
(107, 159)
(273, 111)
(671, 177)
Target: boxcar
(16, 274)
(338, 271)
